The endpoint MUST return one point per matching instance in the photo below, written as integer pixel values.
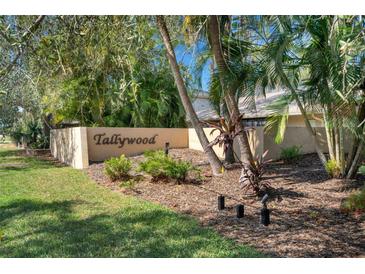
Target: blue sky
(186, 57)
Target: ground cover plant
(332, 168)
(290, 154)
(355, 202)
(48, 210)
(118, 167)
(161, 166)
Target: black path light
(167, 147)
(265, 212)
(220, 202)
(240, 211)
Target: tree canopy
(98, 70)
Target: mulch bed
(306, 220)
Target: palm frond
(278, 119)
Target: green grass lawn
(49, 211)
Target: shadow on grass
(55, 230)
(10, 152)
(17, 160)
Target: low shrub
(161, 166)
(41, 143)
(355, 202)
(117, 167)
(179, 170)
(290, 154)
(362, 170)
(155, 164)
(332, 168)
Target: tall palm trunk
(354, 157)
(329, 132)
(229, 93)
(355, 161)
(214, 161)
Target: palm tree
(319, 59)
(228, 85)
(229, 79)
(280, 68)
(214, 161)
(334, 58)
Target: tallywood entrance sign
(106, 142)
(80, 145)
(117, 139)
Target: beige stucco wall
(150, 139)
(294, 136)
(194, 143)
(77, 146)
(69, 146)
(255, 139)
(298, 121)
(296, 133)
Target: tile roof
(205, 111)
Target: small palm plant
(228, 130)
(251, 176)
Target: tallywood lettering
(116, 139)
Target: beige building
(255, 119)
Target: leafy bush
(332, 168)
(290, 154)
(155, 164)
(117, 167)
(355, 202)
(41, 143)
(160, 166)
(29, 130)
(179, 170)
(362, 170)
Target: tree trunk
(229, 93)
(355, 162)
(229, 155)
(214, 161)
(351, 154)
(337, 140)
(353, 157)
(342, 149)
(329, 133)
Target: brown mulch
(306, 220)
